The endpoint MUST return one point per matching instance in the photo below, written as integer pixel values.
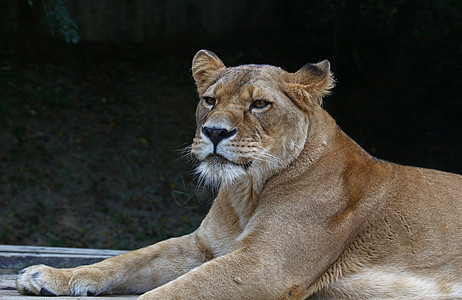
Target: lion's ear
(206, 67)
(310, 84)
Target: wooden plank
(19, 257)
(59, 250)
(8, 292)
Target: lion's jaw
(254, 144)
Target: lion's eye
(209, 101)
(259, 104)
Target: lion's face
(247, 123)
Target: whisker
(185, 153)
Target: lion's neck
(325, 143)
(242, 196)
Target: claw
(28, 292)
(45, 292)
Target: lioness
(302, 210)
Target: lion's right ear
(206, 67)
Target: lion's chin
(218, 171)
(219, 160)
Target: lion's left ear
(206, 68)
(310, 84)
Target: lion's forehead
(246, 80)
(246, 73)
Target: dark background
(91, 130)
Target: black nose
(216, 135)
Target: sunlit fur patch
(392, 283)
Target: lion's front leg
(239, 275)
(132, 272)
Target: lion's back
(433, 195)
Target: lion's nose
(216, 135)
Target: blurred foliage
(380, 13)
(435, 18)
(59, 19)
(440, 19)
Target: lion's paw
(41, 280)
(47, 281)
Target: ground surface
(90, 149)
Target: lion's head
(252, 120)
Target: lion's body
(302, 210)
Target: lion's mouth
(217, 159)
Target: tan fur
(302, 211)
